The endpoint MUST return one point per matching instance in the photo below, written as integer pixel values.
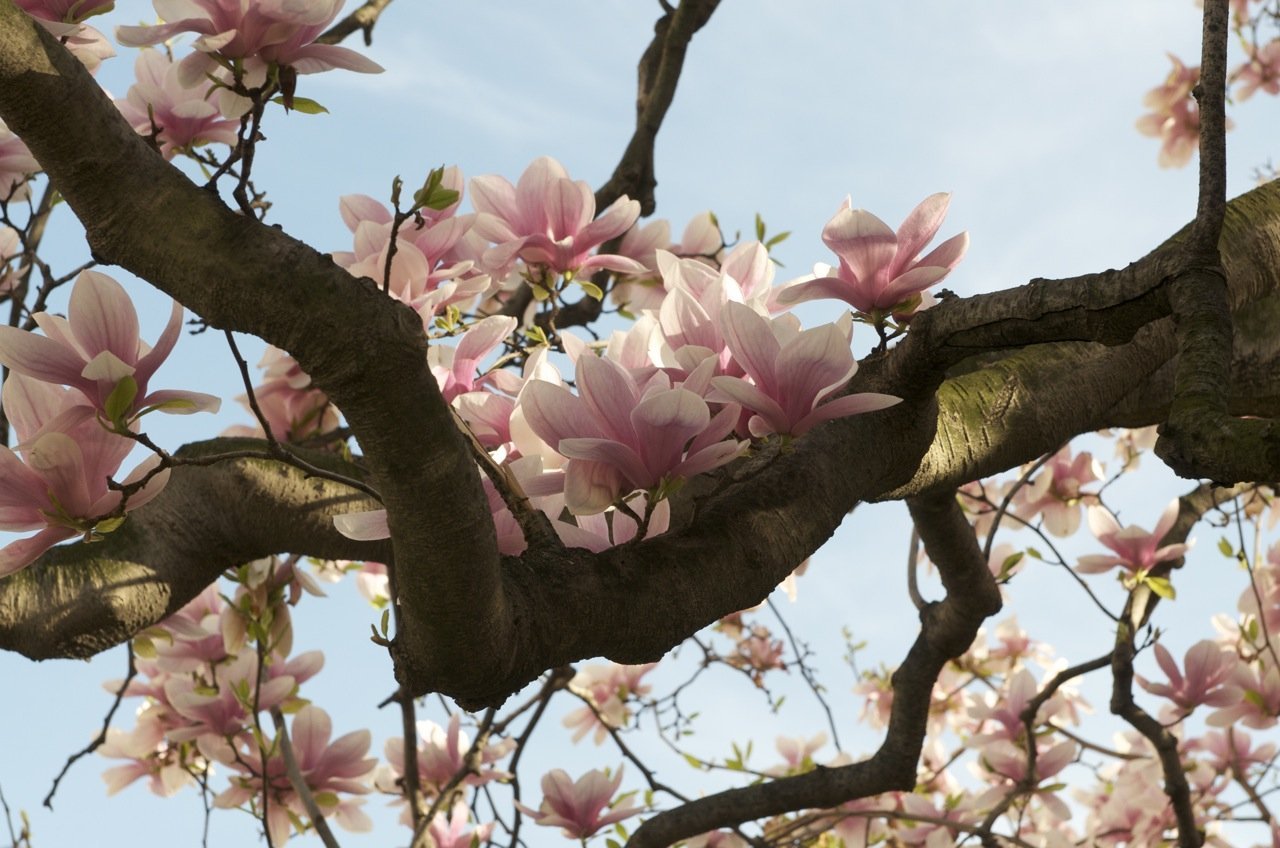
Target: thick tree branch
(81, 599)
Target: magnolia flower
(1207, 666)
(16, 164)
(57, 482)
(327, 768)
(1175, 118)
(1133, 548)
(619, 437)
(1262, 71)
(576, 807)
(280, 32)
(97, 350)
(794, 373)
(547, 219)
(880, 270)
(180, 117)
(1055, 492)
(63, 18)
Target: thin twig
(102, 734)
(299, 782)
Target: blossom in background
(549, 219)
(1174, 117)
(16, 164)
(1207, 668)
(96, 349)
(576, 807)
(1262, 71)
(180, 117)
(881, 271)
(327, 768)
(1133, 548)
(794, 373)
(1055, 493)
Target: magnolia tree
(443, 416)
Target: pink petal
(102, 317)
(39, 357)
(363, 526)
(840, 407)
(862, 241)
(17, 555)
(920, 226)
(621, 457)
(752, 343)
(664, 423)
(591, 487)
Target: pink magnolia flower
(576, 807)
(97, 350)
(546, 218)
(1262, 71)
(59, 485)
(1257, 701)
(293, 408)
(1055, 492)
(10, 247)
(794, 373)
(16, 164)
(797, 753)
(1175, 118)
(881, 270)
(328, 768)
(1133, 548)
(280, 32)
(620, 437)
(1208, 667)
(180, 117)
(609, 688)
(63, 18)
(453, 831)
(442, 754)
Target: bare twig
(361, 19)
(102, 734)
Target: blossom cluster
(73, 397)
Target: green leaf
(396, 185)
(777, 240)
(1225, 547)
(1255, 698)
(1035, 554)
(108, 525)
(326, 799)
(120, 401)
(305, 105)
(144, 647)
(593, 291)
(540, 293)
(1162, 587)
(693, 761)
(386, 620)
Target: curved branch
(947, 629)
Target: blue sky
(1024, 110)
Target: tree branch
(361, 19)
(658, 74)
